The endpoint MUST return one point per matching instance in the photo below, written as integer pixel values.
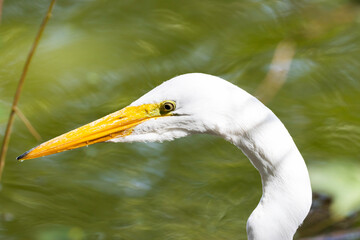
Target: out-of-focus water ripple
(96, 57)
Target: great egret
(201, 103)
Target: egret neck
(286, 190)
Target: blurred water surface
(96, 57)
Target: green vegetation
(96, 57)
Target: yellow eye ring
(167, 106)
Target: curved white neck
(286, 197)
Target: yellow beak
(117, 124)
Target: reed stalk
(10, 122)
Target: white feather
(208, 104)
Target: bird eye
(167, 106)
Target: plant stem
(27, 123)
(1, 4)
(6, 140)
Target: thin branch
(5, 144)
(277, 74)
(1, 4)
(27, 123)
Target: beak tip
(22, 155)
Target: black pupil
(168, 106)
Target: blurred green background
(96, 57)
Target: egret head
(186, 104)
